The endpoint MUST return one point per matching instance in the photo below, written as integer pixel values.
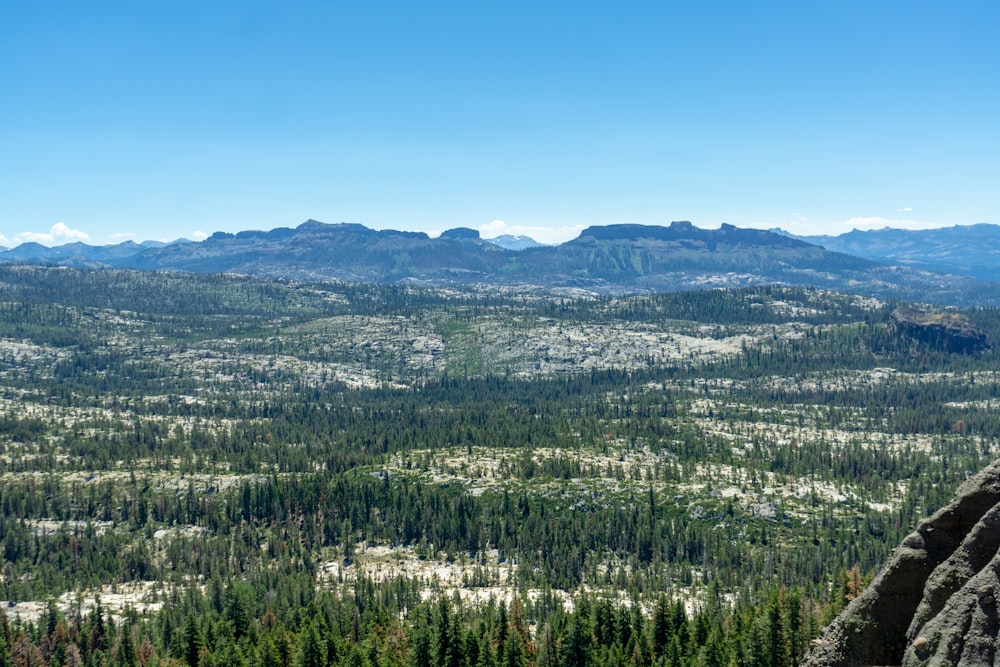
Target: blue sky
(157, 120)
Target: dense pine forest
(223, 470)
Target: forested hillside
(222, 470)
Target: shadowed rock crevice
(934, 602)
(973, 555)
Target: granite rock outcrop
(935, 600)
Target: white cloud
(4, 241)
(493, 229)
(122, 236)
(905, 210)
(199, 235)
(541, 234)
(58, 234)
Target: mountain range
(972, 250)
(603, 259)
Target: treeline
(57, 537)
(558, 540)
(293, 624)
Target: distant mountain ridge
(515, 242)
(77, 253)
(971, 250)
(603, 259)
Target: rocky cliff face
(935, 600)
(941, 329)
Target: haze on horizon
(150, 121)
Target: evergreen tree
(576, 644)
(193, 640)
(420, 641)
(4, 650)
(312, 652)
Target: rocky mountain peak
(461, 234)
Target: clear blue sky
(162, 119)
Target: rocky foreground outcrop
(941, 329)
(935, 600)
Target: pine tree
(420, 641)
(4, 650)
(312, 651)
(193, 640)
(576, 644)
(547, 654)
(663, 625)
